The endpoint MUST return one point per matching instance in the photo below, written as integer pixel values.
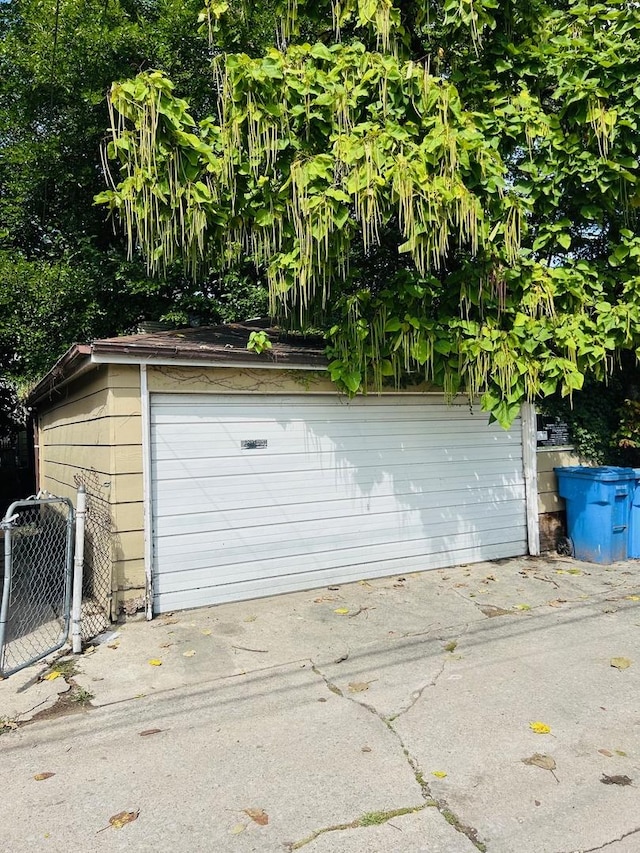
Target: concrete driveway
(489, 707)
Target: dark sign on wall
(552, 432)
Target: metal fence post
(6, 525)
(78, 565)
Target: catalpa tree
(448, 189)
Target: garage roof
(224, 346)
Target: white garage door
(257, 495)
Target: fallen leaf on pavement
(616, 780)
(621, 752)
(50, 676)
(155, 662)
(148, 732)
(451, 646)
(606, 752)
(492, 610)
(189, 654)
(358, 686)
(206, 632)
(523, 607)
(620, 663)
(117, 821)
(439, 774)
(539, 728)
(40, 777)
(545, 762)
(251, 618)
(632, 597)
(259, 816)
(341, 611)
(238, 828)
(121, 819)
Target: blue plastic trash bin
(598, 511)
(634, 521)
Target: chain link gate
(98, 535)
(36, 586)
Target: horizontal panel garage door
(257, 495)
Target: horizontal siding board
(281, 442)
(255, 511)
(318, 564)
(443, 462)
(547, 460)
(431, 476)
(126, 459)
(261, 588)
(341, 487)
(123, 429)
(550, 502)
(305, 538)
(194, 496)
(95, 382)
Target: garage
(256, 495)
(225, 474)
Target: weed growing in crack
(81, 696)
(377, 818)
(66, 668)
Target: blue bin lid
(602, 474)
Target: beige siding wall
(92, 431)
(203, 380)
(548, 459)
(225, 380)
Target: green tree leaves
(451, 190)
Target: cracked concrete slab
(457, 663)
(476, 728)
(395, 673)
(277, 741)
(26, 694)
(422, 832)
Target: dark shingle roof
(214, 345)
(223, 344)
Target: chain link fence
(96, 580)
(36, 582)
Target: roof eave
(152, 354)
(75, 362)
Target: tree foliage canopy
(450, 188)
(64, 271)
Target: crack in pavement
(429, 799)
(607, 843)
(367, 819)
(417, 694)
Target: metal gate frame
(10, 525)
